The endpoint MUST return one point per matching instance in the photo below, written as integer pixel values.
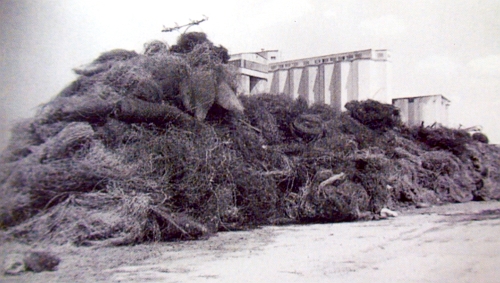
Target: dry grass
(116, 159)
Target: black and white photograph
(249, 141)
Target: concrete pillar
(336, 87)
(257, 85)
(244, 84)
(312, 78)
(319, 84)
(297, 74)
(303, 90)
(283, 74)
(353, 88)
(275, 84)
(346, 83)
(289, 83)
(328, 87)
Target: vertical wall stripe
(354, 95)
(304, 84)
(275, 83)
(319, 85)
(334, 79)
(336, 87)
(328, 83)
(313, 70)
(289, 84)
(297, 73)
(282, 80)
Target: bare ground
(451, 243)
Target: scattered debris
(422, 205)
(332, 179)
(385, 212)
(38, 261)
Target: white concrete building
(253, 69)
(332, 79)
(335, 80)
(429, 110)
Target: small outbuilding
(428, 109)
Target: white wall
(360, 75)
(428, 109)
(313, 70)
(329, 68)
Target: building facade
(429, 110)
(336, 79)
(253, 70)
(332, 79)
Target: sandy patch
(452, 243)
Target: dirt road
(452, 243)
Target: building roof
(331, 55)
(311, 58)
(422, 96)
(255, 52)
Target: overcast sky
(446, 47)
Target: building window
(411, 100)
(350, 57)
(358, 55)
(380, 55)
(306, 62)
(273, 57)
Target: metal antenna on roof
(187, 26)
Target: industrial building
(335, 79)
(253, 69)
(427, 110)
